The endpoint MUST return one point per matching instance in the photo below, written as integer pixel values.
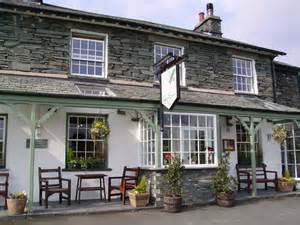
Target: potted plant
(279, 134)
(224, 185)
(139, 197)
(99, 129)
(173, 186)
(286, 183)
(16, 203)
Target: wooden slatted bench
(244, 175)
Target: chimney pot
(201, 17)
(210, 9)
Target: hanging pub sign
(170, 87)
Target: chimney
(201, 17)
(210, 24)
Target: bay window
(190, 137)
(290, 154)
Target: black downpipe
(274, 81)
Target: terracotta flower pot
(16, 206)
(225, 199)
(172, 204)
(284, 186)
(139, 200)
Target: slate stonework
(43, 45)
(287, 86)
(196, 185)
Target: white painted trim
(216, 164)
(255, 84)
(91, 36)
(33, 74)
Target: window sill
(185, 168)
(88, 77)
(3, 170)
(87, 170)
(245, 93)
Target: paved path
(265, 212)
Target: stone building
(61, 69)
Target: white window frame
(254, 88)
(4, 130)
(215, 141)
(98, 37)
(294, 151)
(183, 72)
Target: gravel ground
(264, 212)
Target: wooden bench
(244, 175)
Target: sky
(272, 24)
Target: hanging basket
(279, 134)
(99, 130)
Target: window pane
(85, 53)
(243, 76)
(79, 141)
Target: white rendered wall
(271, 149)
(123, 146)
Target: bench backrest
(260, 170)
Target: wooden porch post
(253, 158)
(158, 135)
(32, 156)
(252, 130)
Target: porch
(34, 115)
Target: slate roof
(69, 88)
(287, 65)
(140, 24)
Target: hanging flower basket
(99, 130)
(279, 134)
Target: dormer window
(88, 57)
(244, 75)
(162, 50)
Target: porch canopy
(143, 98)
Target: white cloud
(267, 23)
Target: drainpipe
(274, 86)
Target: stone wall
(196, 185)
(43, 45)
(287, 85)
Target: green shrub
(141, 187)
(173, 178)
(222, 182)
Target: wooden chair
(4, 187)
(244, 175)
(51, 182)
(126, 182)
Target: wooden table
(101, 187)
